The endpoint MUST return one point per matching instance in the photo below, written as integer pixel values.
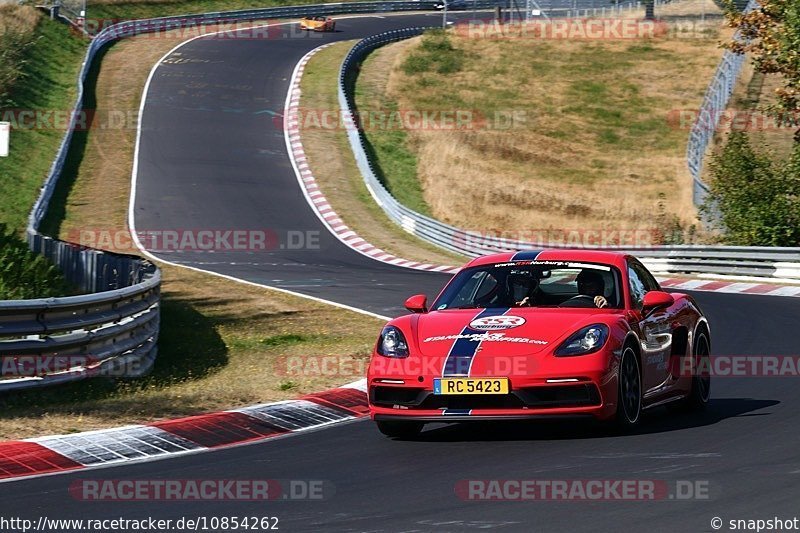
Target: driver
(522, 288)
(590, 283)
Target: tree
(771, 33)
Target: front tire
(399, 430)
(629, 400)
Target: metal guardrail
(50, 341)
(714, 104)
(721, 260)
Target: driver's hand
(525, 301)
(600, 301)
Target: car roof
(604, 257)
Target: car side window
(647, 278)
(467, 292)
(637, 287)
(644, 281)
(488, 285)
(477, 288)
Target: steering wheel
(580, 300)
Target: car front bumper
(586, 386)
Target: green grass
(287, 385)
(275, 341)
(46, 71)
(56, 212)
(47, 83)
(436, 54)
(388, 147)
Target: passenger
(522, 289)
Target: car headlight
(392, 343)
(584, 341)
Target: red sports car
(540, 334)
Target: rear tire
(629, 400)
(399, 430)
(701, 377)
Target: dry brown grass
(764, 130)
(17, 18)
(688, 8)
(331, 160)
(105, 170)
(678, 8)
(595, 150)
(17, 25)
(214, 353)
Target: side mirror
(655, 300)
(417, 303)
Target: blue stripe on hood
(461, 353)
(526, 255)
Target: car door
(655, 329)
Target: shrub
(436, 53)
(24, 274)
(753, 199)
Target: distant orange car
(318, 24)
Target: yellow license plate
(470, 386)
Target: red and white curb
(733, 287)
(316, 199)
(93, 449)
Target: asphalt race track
(211, 157)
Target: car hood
(515, 332)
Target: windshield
(531, 284)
